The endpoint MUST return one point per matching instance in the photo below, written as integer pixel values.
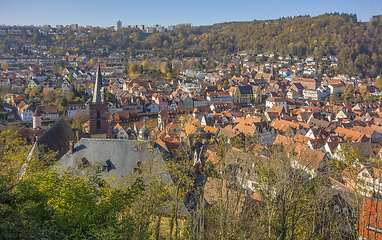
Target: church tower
(98, 109)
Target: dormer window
(105, 168)
(346, 211)
(336, 208)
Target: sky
(171, 12)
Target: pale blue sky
(171, 12)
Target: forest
(356, 44)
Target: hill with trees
(356, 44)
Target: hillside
(357, 44)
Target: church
(60, 137)
(98, 122)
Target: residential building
(225, 97)
(200, 101)
(49, 112)
(79, 109)
(325, 92)
(219, 107)
(213, 97)
(120, 132)
(293, 95)
(188, 102)
(152, 107)
(312, 94)
(278, 101)
(336, 88)
(172, 105)
(26, 113)
(308, 83)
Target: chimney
(77, 136)
(71, 147)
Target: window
(98, 114)
(346, 211)
(336, 208)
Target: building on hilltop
(118, 25)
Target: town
(256, 104)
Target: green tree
(378, 83)
(64, 101)
(70, 77)
(44, 203)
(27, 90)
(110, 97)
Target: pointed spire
(97, 88)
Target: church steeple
(97, 96)
(98, 109)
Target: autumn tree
(166, 44)
(133, 68)
(191, 63)
(4, 65)
(91, 62)
(145, 65)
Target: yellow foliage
(4, 65)
(145, 65)
(91, 62)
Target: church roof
(57, 138)
(36, 113)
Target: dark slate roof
(57, 137)
(316, 122)
(116, 157)
(298, 85)
(245, 89)
(123, 155)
